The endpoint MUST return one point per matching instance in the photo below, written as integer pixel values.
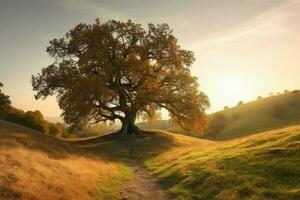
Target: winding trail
(142, 186)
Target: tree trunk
(128, 126)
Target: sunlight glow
(232, 89)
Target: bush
(259, 97)
(240, 103)
(33, 120)
(54, 129)
(30, 119)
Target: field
(35, 166)
(261, 166)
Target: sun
(233, 89)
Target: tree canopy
(120, 70)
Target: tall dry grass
(37, 167)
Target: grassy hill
(261, 166)
(249, 118)
(261, 115)
(36, 166)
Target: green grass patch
(110, 189)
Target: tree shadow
(117, 148)
(111, 147)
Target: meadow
(260, 166)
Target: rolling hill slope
(261, 115)
(35, 166)
(264, 166)
(261, 166)
(253, 117)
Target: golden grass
(34, 166)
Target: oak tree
(120, 70)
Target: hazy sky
(243, 48)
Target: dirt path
(142, 186)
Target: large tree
(119, 70)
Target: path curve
(142, 186)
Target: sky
(243, 48)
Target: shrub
(33, 120)
(226, 107)
(240, 103)
(54, 129)
(30, 119)
(259, 97)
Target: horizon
(230, 41)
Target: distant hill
(260, 115)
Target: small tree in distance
(4, 102)
(118, 71)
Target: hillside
(261, 166)
(261, 115)
(249, 118)
(35, 166)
